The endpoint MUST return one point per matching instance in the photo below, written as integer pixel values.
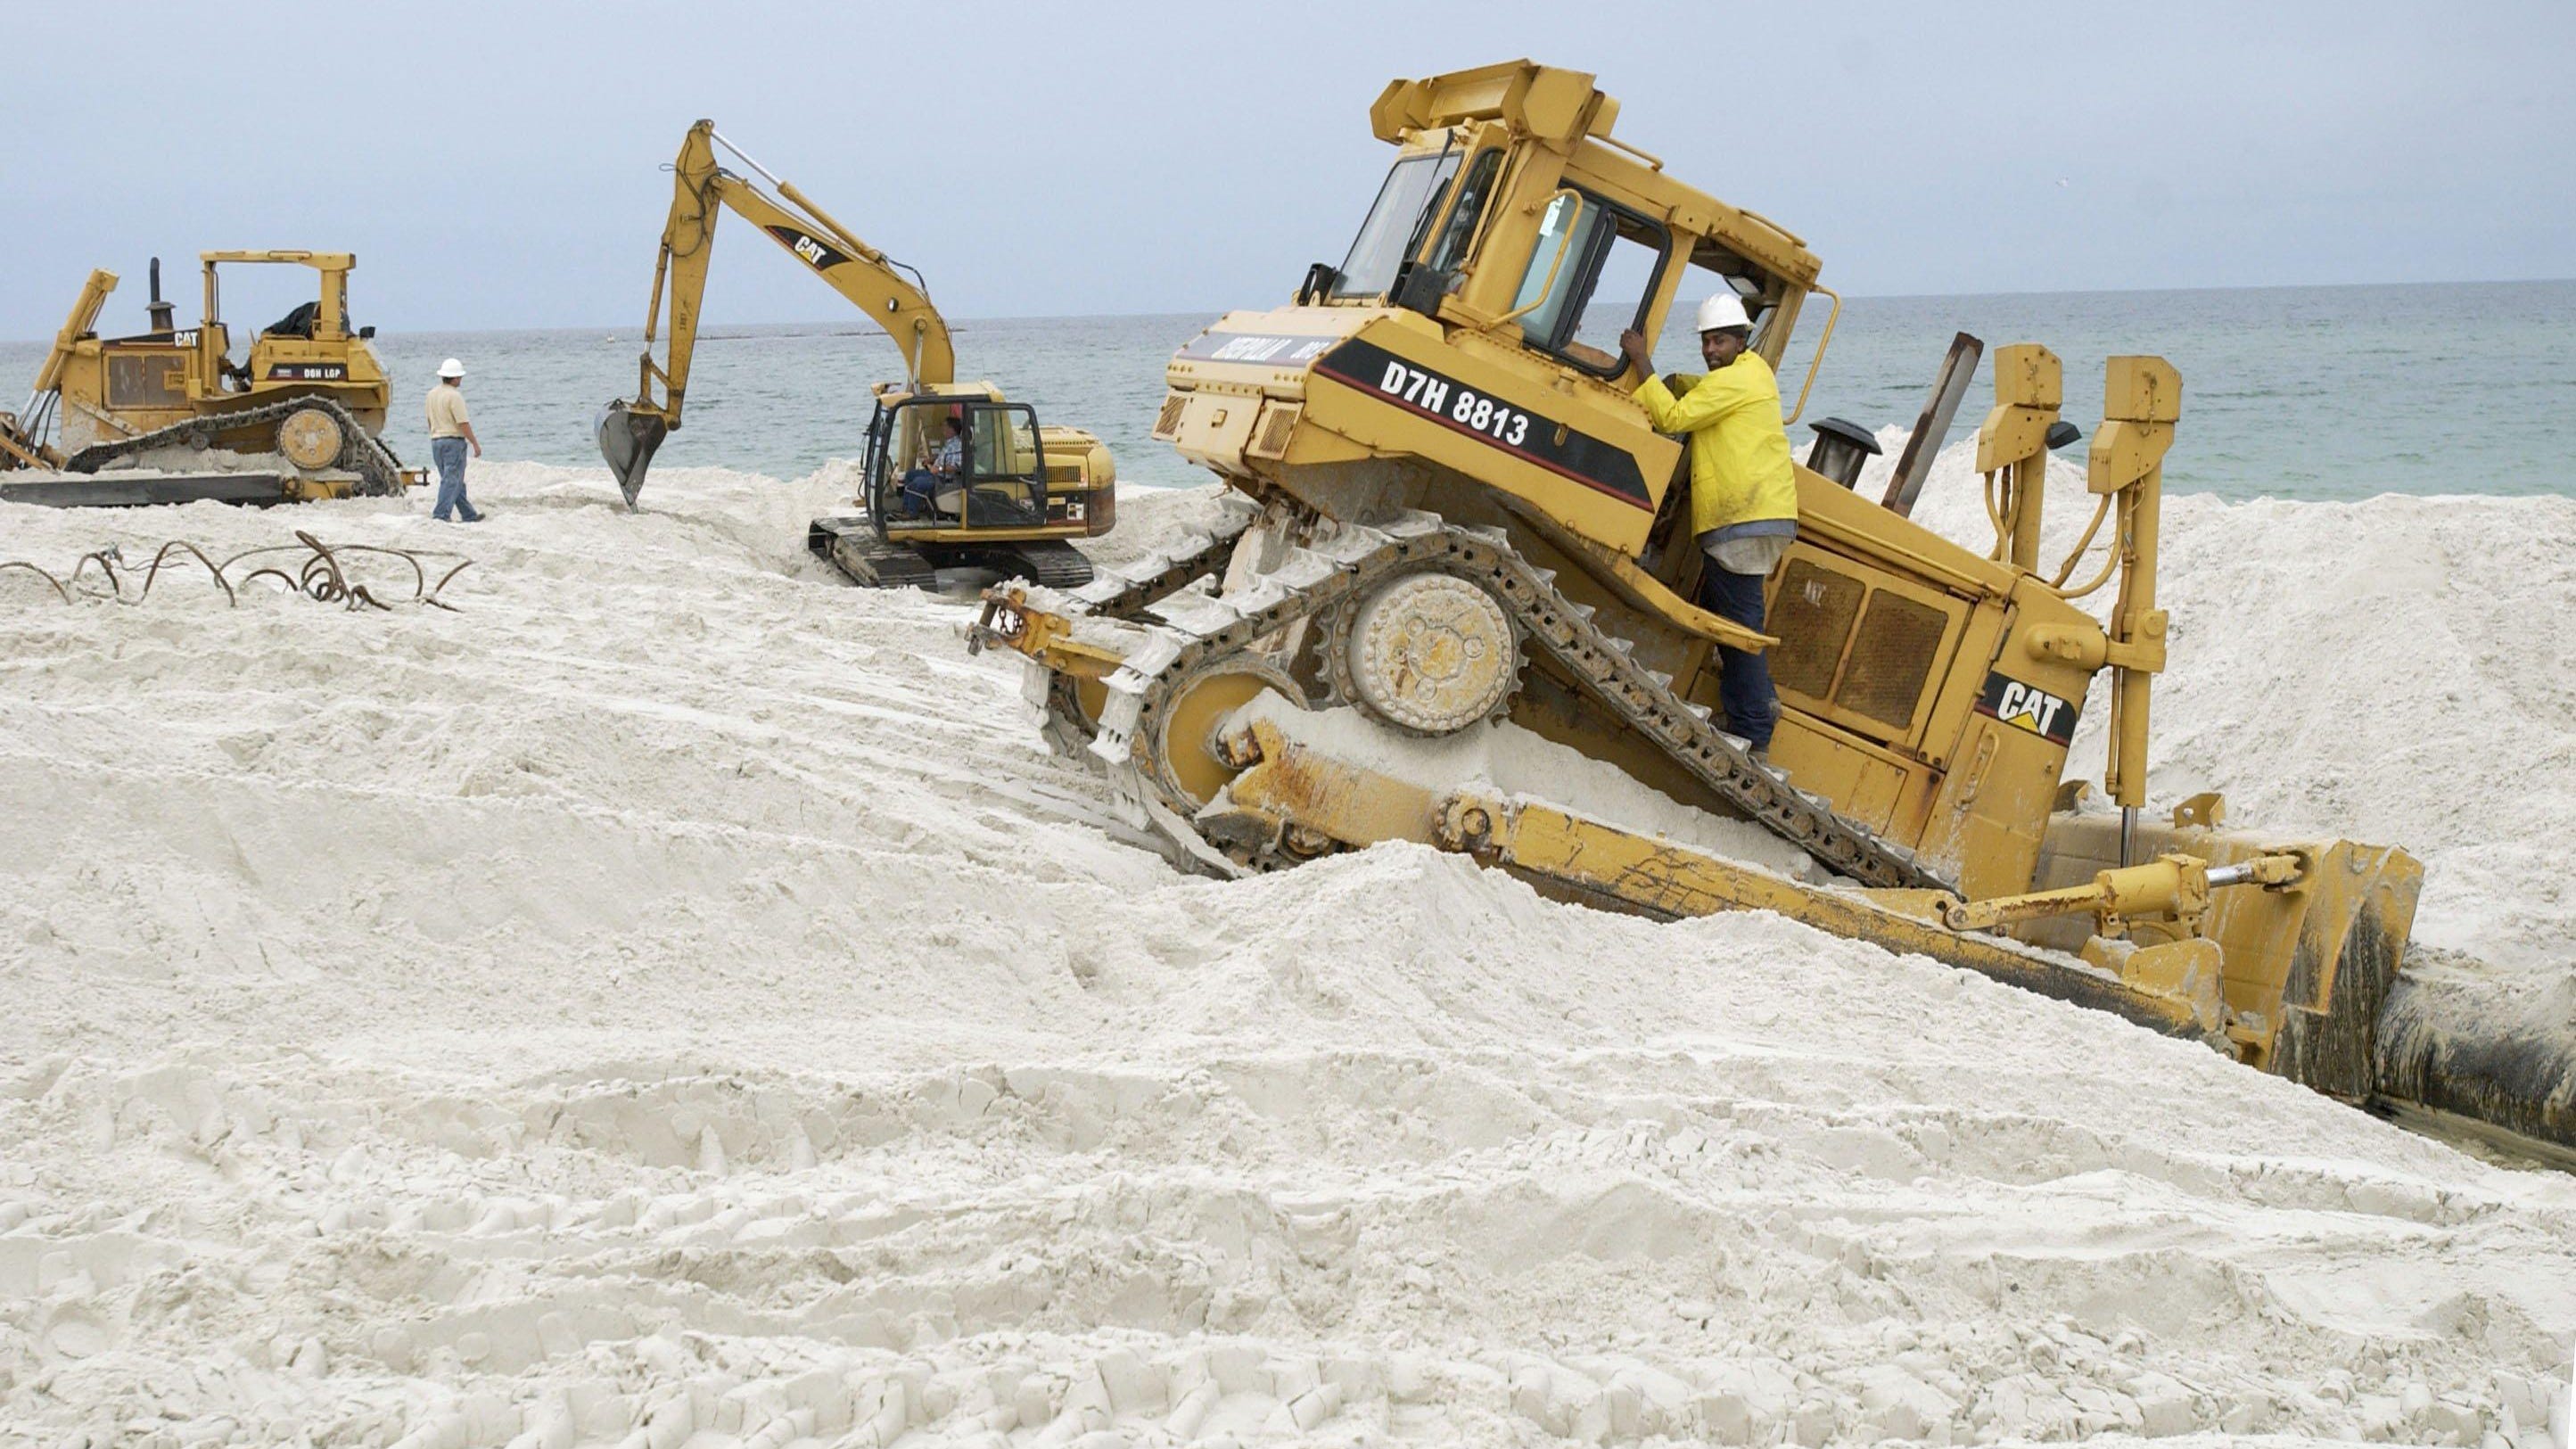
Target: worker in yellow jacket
(1744, 494)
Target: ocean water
(2297, 392)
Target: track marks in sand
(1057, 1246)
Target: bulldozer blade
(2453, 1057)
(627, 441)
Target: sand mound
(676, 1000)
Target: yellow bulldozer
(167, 415)
(953, 474)
(1449, 516)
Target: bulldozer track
(1125, 592)
(1187, 634)
(378, 470)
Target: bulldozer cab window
(1714, 269)
(916, 432)
(1405, 202)
(1460, 231)
(1589, 278)
(999, 481)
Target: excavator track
(378, 470)
(850, 544)
(1188, 634)
(1048, 562)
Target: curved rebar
(40, 573)
(197, 553)
(107, 559)
(433, 598)
(317, 572)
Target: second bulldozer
(1448, 514)
(167, 415)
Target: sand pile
(676, 1000)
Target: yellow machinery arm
(82, 321)
(21, 436)
(890, 293)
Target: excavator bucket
(627, 440)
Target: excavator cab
(999, 480)
(1004, 501)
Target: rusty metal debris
(320, 571)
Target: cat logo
(2027, 707)
(821, 256)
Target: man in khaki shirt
(451, 432)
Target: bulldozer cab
(311, 343)
(994, 476)
(171, 366)
(1499, 221)
(1513, 218)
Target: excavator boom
(890, 293)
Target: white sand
(677, 1001)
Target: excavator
(1448, 522)
(1008, 496)
(167, 416)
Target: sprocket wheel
(1427, 653)
(311, 439)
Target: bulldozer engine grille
(1812, 615)
(1167, 424)
(146, 382)
(1889, 659)
(1275, 428)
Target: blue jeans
(1744, 681)
(448, 454)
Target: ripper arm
(21, 434)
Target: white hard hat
(453, 368)
(1723, 310)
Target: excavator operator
(921, 485)
(1744, 494)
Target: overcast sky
(498, 165)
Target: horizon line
(47, 341)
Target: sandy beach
(676, 999)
